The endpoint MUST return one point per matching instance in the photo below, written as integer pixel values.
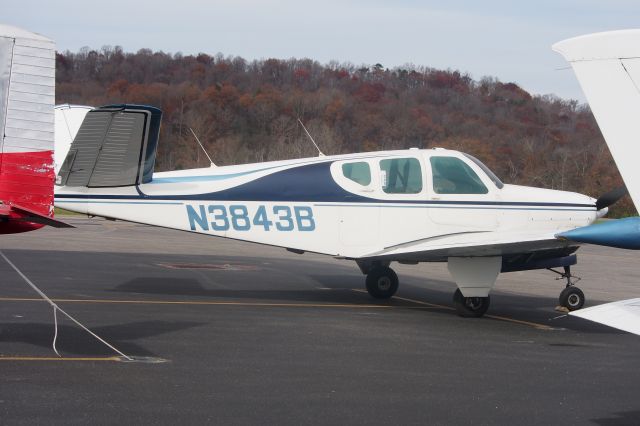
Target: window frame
(486, 181)
(408, 159)
(402, 196)
(374, 189)
(345, 163)
(351, 185)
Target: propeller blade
(611, 197)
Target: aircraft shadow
(338, 289)
(74, 340)
(192, 287)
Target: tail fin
(608, 68)
(115, 146)
(68, 119)
(27, 95)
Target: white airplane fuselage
(395, 205)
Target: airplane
(406, 206)
(607, 66)
(27, 96)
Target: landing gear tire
(572, 298)
(470, 307)
(382, 282)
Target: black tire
(572, 298)
(470, 307)
(382, 282)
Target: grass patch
(62, 212)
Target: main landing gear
(470, 307)
(382, 282)
(571, 298)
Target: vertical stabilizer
(608, 68)
(27, 96)
(114, 146)
(68, 119)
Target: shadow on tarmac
(338, 289)
(74, 340)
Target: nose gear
(571, 298)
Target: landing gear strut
(571, 297)
(470, 307)
(382, 282)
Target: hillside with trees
(247, 111)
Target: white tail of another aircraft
(608, 68)
(27, 95)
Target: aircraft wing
(623, 315)
(474, 244)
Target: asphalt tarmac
(224, 332)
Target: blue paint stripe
(87, 199)
(407, 203)
(311, 183)
(213, 178)
(207, 178)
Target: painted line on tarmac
(424, 305)
(204, 303)
(517, 321)
(495, 317)
(418, 302)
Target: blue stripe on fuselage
(306, 183)
(203, 178)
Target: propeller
(611, 197)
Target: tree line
(247, 111)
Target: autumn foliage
(247, 111)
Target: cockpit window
(495, 179)
(358, 172)
(401, 176)
(452, 176)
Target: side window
(453, 176)
(401, 176)
(358, 172)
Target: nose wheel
(571, 298)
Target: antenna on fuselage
(320, 154)
(201, 146)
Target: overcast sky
(506, 39)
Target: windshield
(495, 179)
